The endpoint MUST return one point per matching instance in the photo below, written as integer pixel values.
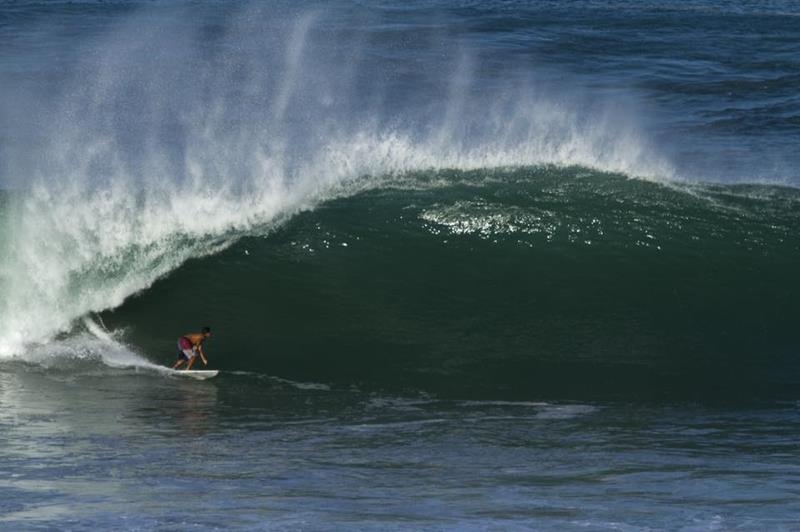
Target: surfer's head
(206, 331)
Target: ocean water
(469, 265)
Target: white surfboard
(199, 374)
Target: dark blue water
(114, 449)
(469, 265)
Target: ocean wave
(166, 143)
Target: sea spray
(170, 137)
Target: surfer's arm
(202, 355)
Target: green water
(524, 284)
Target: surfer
(190, 345)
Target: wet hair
(205, 329)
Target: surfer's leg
(191, 361)
(185, 355)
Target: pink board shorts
(185, 348)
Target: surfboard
(199, 374)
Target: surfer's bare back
(191, 345)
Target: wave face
(520, 283)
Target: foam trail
(166, 144)
(97, 330)
(85, 352)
